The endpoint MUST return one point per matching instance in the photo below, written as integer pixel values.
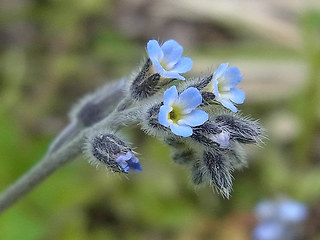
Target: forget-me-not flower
(179, 111)
(291, 211)
(167, 60)
(269, 231)
(223, 85)
(128, 161)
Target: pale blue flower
(224, 84)
(179, 111)
(128, 161)
(269, 231)
(167, 60)
(291, 211)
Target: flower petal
(154, 50)
(134, 164)
(171, 74)
(172, 52)
(233, 76)
(228, 104)
(181, 130)
(163, 115)
(223, 139)
(157, 67)
(167, 74)
(183, 65)
(190, 99)
(170, 95)
(124, 157)
(196, 117)
(220, 70)
(237, 95)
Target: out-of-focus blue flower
(223, 139)
(180, 113)
(291, 211)
(167, 60)
(128, 161)
(266, 210)
(268, 231)
(279, 219)
(224, 84)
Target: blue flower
(223, 86)
(291, 211)
(269, 231)
(128, 161)
(167, 60)
(180, 113)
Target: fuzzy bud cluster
(196, 117)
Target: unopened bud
(241, 129)
(145, 84)
(109, 150)
(219, 172)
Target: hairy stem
(38, 173)
(55, 159)
(71, 130)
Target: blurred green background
(54, 51)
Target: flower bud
(145, 84)
(107, 149)
(241, 129)
(197, 173)
(96, 106)
(218, 172)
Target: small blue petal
(237, 95)
(233, 76)
(172, 52)
(181, 130)
(134, 164)
(157, 66)
(220, 71)
(128, 161)
(228, 104)
(124, 157)
(215, 88)
(170, 95)
(163, 115)
(183, 65)
(223, 139)
(124, 166)
(172, 74)
(154, 50)
(190, 99)
(168, 74)
(195, 118)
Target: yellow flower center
(175, 115)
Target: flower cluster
(197, 117)
(279, 219)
